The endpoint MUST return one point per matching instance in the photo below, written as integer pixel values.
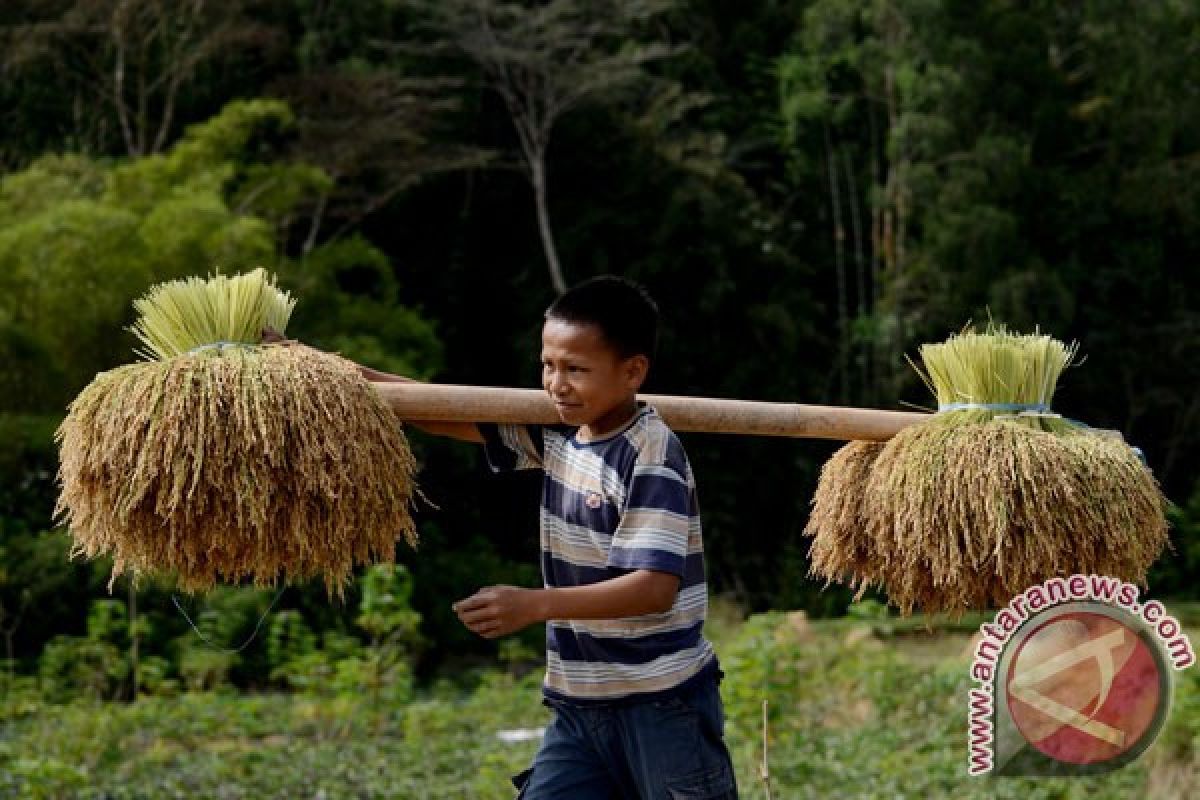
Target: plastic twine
(218, 346)
(1028, 410)
(213, 645)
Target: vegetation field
(863, 706)
(810, 189)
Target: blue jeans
(666, 749)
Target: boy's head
(622, 311)
(597, 343)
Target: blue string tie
(218, 346)
(1027, 410)
(1041, 408)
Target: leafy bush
(848, 707)
(75, 666)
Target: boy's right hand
(272, 336)
(465, 431)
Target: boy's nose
(556, 384)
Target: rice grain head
(971, 507)
(255, 463)
(841, 549)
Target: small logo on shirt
(594, 500)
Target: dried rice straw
(843, 551)
(222, 460)
(993, 494)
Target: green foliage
(352, 304)
(73, 666)
(384, 610)
(156, 676)
(82, 238)
(85, 237)
(1175, 576)
(290, 644)
(28, 462)
(204, 668)
(871, 176)
(208, 655)
(92, 666)
(34, 583)
(848, 706)
(336, 663)
(851, 704)
(108, 620)
(28, 377)
(68, 274)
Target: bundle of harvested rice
(992, 494)
(843, 550)
(220, 459)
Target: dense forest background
(810, 189)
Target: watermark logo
(1074, 677)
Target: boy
(629, 674)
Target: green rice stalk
(996, 366)
(179, 316)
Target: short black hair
(623, 311)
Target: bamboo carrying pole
(430, 402)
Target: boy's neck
(611, 421)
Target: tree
(372, 116)
(880, 91)
(83, 238)
(547, 59)
(375, 133)
(129, 58)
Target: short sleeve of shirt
(654, 527)
(512, 447)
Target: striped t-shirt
(611, 506)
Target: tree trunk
(839, 261)
(310, 241)
(897, 209)
(9, 667)
(537, 175)
(133, 640)
(119, 100)
(860, 282)
(877, 249)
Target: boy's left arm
(500, 610)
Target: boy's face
(591, 385)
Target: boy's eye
(546, 365)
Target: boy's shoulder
(655, 442)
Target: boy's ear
(635, 371)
